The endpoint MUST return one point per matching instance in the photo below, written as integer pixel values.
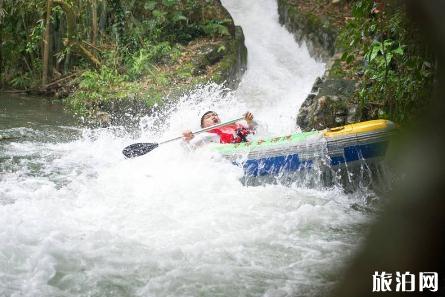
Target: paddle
(141, 148)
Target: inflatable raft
(292, 153)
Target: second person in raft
(232, 133)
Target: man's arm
(195, 141)
(248, 121)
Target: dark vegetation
(99, 50)
(386, 52)
(381, 49)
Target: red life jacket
(232, 133)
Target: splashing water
(77, 219)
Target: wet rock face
(318, 35)
(328, 105)
(234, 63)
(208, 55)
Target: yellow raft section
(358, 128)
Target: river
(77, 219)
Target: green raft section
(264, 144)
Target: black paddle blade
(138, 149)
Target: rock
(208, 55)
(353, 115)
(103, 118)
(215, 55)
(316, 32)
(234, 62)
(317, 84)
(328, 105)
(339, 121)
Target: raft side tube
(291, 153)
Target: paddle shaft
(204, 130)
(139, 149)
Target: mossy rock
(329, 105)
(317, 31)
(234, 63)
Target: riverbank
(119, 59)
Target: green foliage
(394, 61)
(98, 86)
(22, 81)
(142, 62)
(35, 38)
(215, 28)
(186, 71)
(105, 77)
(163, 52)
(176, 21)
(133, 37)
(145, 48)
(21, 43)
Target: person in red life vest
(232, 133)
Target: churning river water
(77, 219)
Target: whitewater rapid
(77, 219)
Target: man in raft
(232, 133)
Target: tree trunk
(46, 42)
(70, 28)
(94, 20)
(103, 18)
(118, 20)
(59, 44)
